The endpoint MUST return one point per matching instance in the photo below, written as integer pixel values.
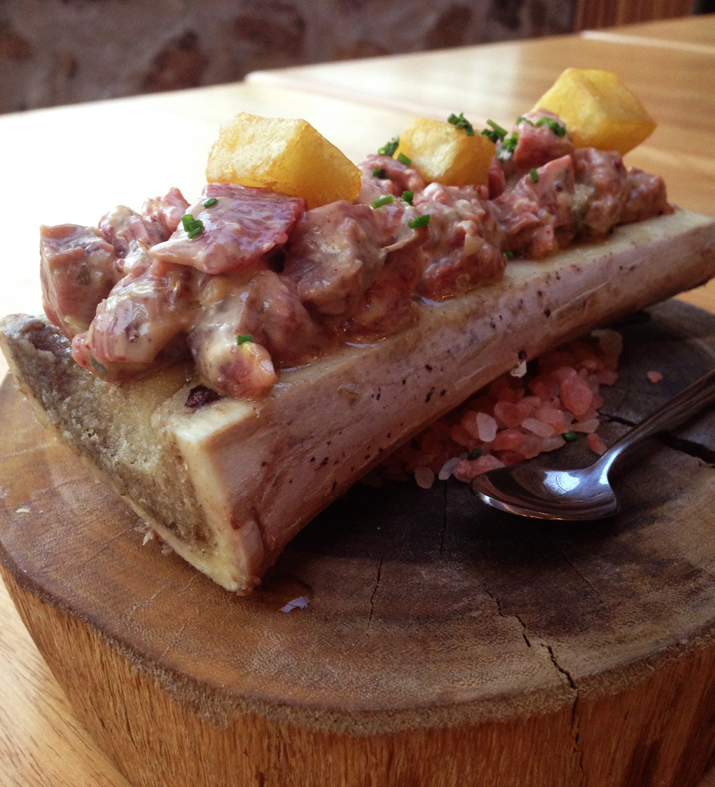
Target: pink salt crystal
(478, 466)
(611, 342)
(655, 377)
(587, 416)
(532, 401)
(531, 446)
(592, 364)
(585, 426)
(464, 471)
(553, 417)
(552, 443)
(597, 402)
(448, 467)
(606, 376)
(508, 440)
(539, 428)
(460, 435)
(470, 424)
(487, 427)
(424, 477)
(564, 373)
(509, 458)
(541, 388)
(596, 444)
(509, 414)
(576, 395)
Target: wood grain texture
(696, 34)
(42, 743)
(565, 656)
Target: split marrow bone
(248, 475)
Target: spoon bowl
(529, 490)
(533, 491)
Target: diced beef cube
(166, 212)
(542, 137)
(334, 255)
(126, 230)
(398, 178)
(647, 197)
(387, 307)
(77, 269)
(602, 190)
(267, 311)
(239, 229)
(539, 205)
(135, 326)
(464, 248)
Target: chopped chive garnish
(420, 221)
(378, 203)
(534, 175)
(379, 172)
(242, 338)
(569, 436)
(522, 119)
(461, 123)
(501, 131)
(511, 142)
(389, 148)
(508, 146)
(509, 254)
(194, 227)
(496, 133)
(475, 453)
(408, 196)
(210, 202)
(558, 128)
(403, 158)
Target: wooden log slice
(442, 643)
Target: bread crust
(228, 483)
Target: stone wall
(66, 51)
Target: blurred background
(67, 51)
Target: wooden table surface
(697, 35)
(72, 164)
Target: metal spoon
(584, 494)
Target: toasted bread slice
(227, 483)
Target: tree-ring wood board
(431, 640)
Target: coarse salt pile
(516, 418)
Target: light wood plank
(694, 33)
(41, 741)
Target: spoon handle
(674, 412)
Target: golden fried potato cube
(599, 109)
(283, 155)
(443, 153)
